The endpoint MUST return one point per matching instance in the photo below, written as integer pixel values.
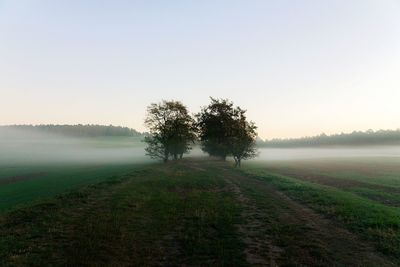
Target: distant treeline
(78, 130)
(356, 138)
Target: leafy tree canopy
(171, 130)
(224, 131)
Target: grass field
(202, 212)
(34, 183)
(361, 194)
(42, 166)
(375, 178)
(146, 217)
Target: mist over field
(22, 147)
(200, 133)
(271, 154)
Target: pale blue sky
(298, 67)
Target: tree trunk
(181, 156)
(237, 161)
(166, 156)
(175, 156)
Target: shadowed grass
(167, 215)
(374, 221)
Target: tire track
(310, 240)
(259, 249)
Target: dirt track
(279, 231)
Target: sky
(299, 68)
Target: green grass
(388, 198)
(54, 180)
(385, 179)
(186, 213)
(44, 167)
(375, 178)
(129, 219)
(374, 221)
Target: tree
(244, 139)
(214, 123)
(171, 130)
(183, 134)
(156, 149)
(224, 131)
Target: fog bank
(331, 152)
(24, 147)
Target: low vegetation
(201, 212)
(374, 221)
(163, 215)
(32, 184)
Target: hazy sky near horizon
(299, 67)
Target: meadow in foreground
(203, 212)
